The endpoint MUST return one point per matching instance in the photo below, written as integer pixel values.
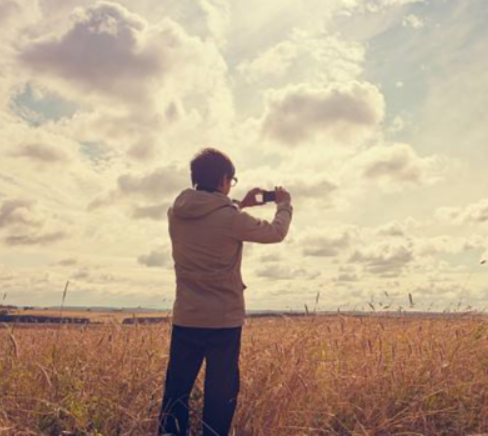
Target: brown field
(338, 375)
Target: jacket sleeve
(251, 229)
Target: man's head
(212, 169)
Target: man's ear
(222, 181)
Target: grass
(337, 375)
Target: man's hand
(282, 195)
(250, 198)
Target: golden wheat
(315, 375)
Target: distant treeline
(43, 319)
(7, 307)
(40, 319)
(145, 320)
(5, 317)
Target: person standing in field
(207, 231)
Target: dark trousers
(189, 346)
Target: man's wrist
(284, 203)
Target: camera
(266, 197)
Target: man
(207, 231)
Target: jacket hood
(193, 204)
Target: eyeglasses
(233, 181)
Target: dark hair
(208, 168)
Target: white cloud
(18, 212)
(157, 258)
(284, 272)
(42, 153)
(155, 212)
(217, 13)
(28, 224)
(447, 244)
(25, 145)
(35, 238)
(475, 213)
(17, 18)
(67, 262)
(274, 62)
(398, 165)
(87, 274)
(413, 21)
(315, 189)
(376, 6)
(110, 53)
(347, 274)
(386, 259)
(105, 51)
(305, 57)
(16, 15)
(298, 113)
(155, 185)
(397, 228)
(330, 242)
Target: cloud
(109, 51)
(311, 188)
(104, 51)
(42, 153)
(35, 239)
(376, 6)
(273, 62)
(347, 274)
(475, 213)
(397, 228)
(15, 15)
(217, 14)
(413, 21)
(6, 275)
(155, 185)
(143, 150)
(18, 212)
(87, 275)
(299, 113)
(330, 243)
(69, 261)
(398, 165)
(386, 259)
(8, 9)
(275, 271)
(156, 258)
(17, 18)
(270, 257)
(447, 244)
(316, 57)
(439, 293)
(155, 212)
(26, 224)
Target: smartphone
(266, 197)
(269, 196)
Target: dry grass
(303, 376)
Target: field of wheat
(315, 375)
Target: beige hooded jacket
(207, 232)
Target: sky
(370, 112)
